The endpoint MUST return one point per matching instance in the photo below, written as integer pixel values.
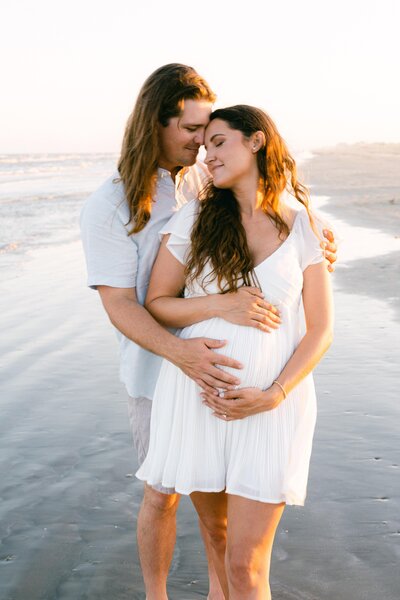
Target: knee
(217, 536)
(159, 503)
(244, 571)
(216, 532)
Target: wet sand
(69, 499)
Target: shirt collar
(180, 176)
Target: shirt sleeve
(179, 228)
(111, 254)
(311, 252)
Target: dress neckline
(282, 244)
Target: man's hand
(239, 404)
(248, 307)
(330, 249)
(199, 362)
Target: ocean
(41, 196)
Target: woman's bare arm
(318, 307)
(318, 310)
(245, 307)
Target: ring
(225, 415)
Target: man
(157, 173)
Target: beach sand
(69, 499)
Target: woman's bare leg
(251, 531)
(211, 508)
(215, 590)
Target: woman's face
(230, 156)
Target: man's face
(181, 139)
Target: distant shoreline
(363, 186)
(340, 147)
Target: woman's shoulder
(186, 215)
(182, 221)
(291, 210)
(191, 208)
(306, 237)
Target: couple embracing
(224, 410)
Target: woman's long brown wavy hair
(218, 236)
(160, 99)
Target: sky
(326, 71)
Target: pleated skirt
(263, 457)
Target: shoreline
(362, 184)
(363, 181)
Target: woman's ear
(257, 141)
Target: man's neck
(172, 171)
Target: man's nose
(199, 137)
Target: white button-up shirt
(116, 259)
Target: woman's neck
(249, 197)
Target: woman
(245, 231)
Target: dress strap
(255, 280)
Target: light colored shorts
(139, 411)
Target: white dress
(263, 457)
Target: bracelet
(282, 388)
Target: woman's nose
(208, 157)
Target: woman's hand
(247, 307)
(239, 404)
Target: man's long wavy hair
(218, 236)
(161, 98)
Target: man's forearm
(137, 324)
(196, 357)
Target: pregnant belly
(263, 355)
